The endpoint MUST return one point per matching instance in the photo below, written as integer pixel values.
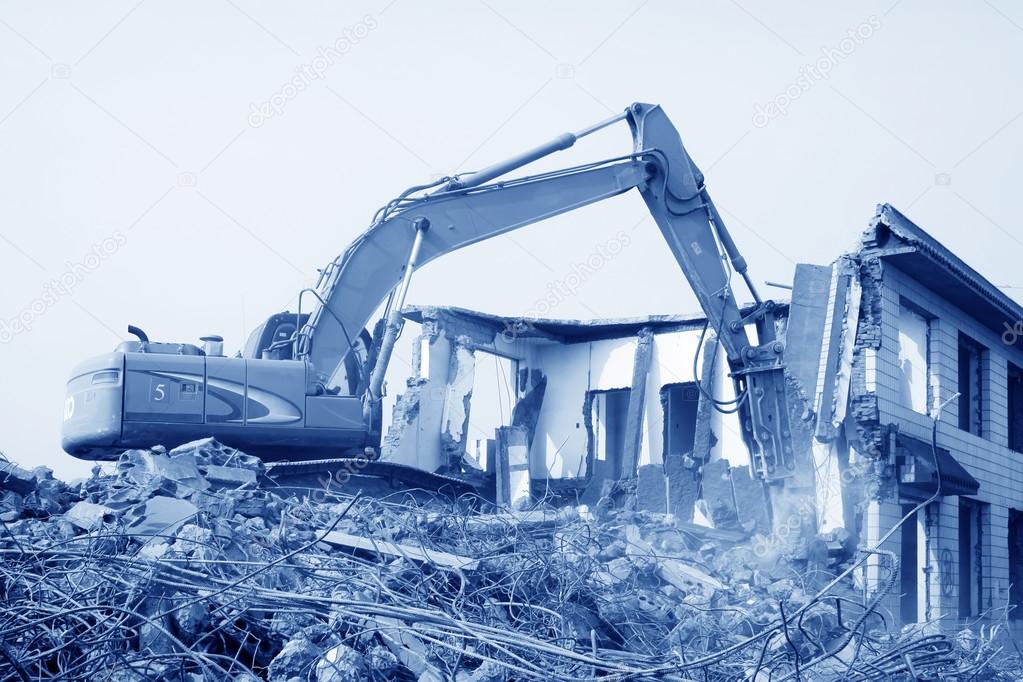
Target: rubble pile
(190, 565)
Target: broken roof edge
(891, 219)
(570, 330)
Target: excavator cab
(273, 339)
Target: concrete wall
(573, 370)
(425, 420)
(413, 435)
(429, 418)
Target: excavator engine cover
(168, 394)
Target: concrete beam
(804, 335)
(831, 350)
(705, 438)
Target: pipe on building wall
(930, 511)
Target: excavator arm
(353, 286)
(427, 222)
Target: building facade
(936, 379)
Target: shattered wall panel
(413, 436)
(458, 397)
(558, 449)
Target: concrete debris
(295, 659)
(230, 476)
(344, 664)
(16, 479)
(88, 515)
(159, 515)
(170, 568)
(160, 471)
(719, 503)
(393, 549)
(512, 475)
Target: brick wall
(998, 469)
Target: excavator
(309, 385)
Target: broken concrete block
(190, 620)
(89, 516)
(195, 541)
(11, 505)
(296, 659)
(159, 515)
(409, 649)
(154, 551)
(157, 472)
(717, 494)
(752, 509)
(16, 479)
(675, 572)
(47, 498)
(207, 451)
(230, 476)
(378, 660)
(488, 672)
(340, 664)
(652, 489)
(512, 466)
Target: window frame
(967, 344)
(1013, 372)
(928, 318)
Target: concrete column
(454, 422)
(943, 559)
(637, 402)
(512, 470)
(879, 518)
(413, 437)
(995, 559)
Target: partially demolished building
(933, 408)
(915, 344)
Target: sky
(159, 166)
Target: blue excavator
(308, 385)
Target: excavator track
(349, 474)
